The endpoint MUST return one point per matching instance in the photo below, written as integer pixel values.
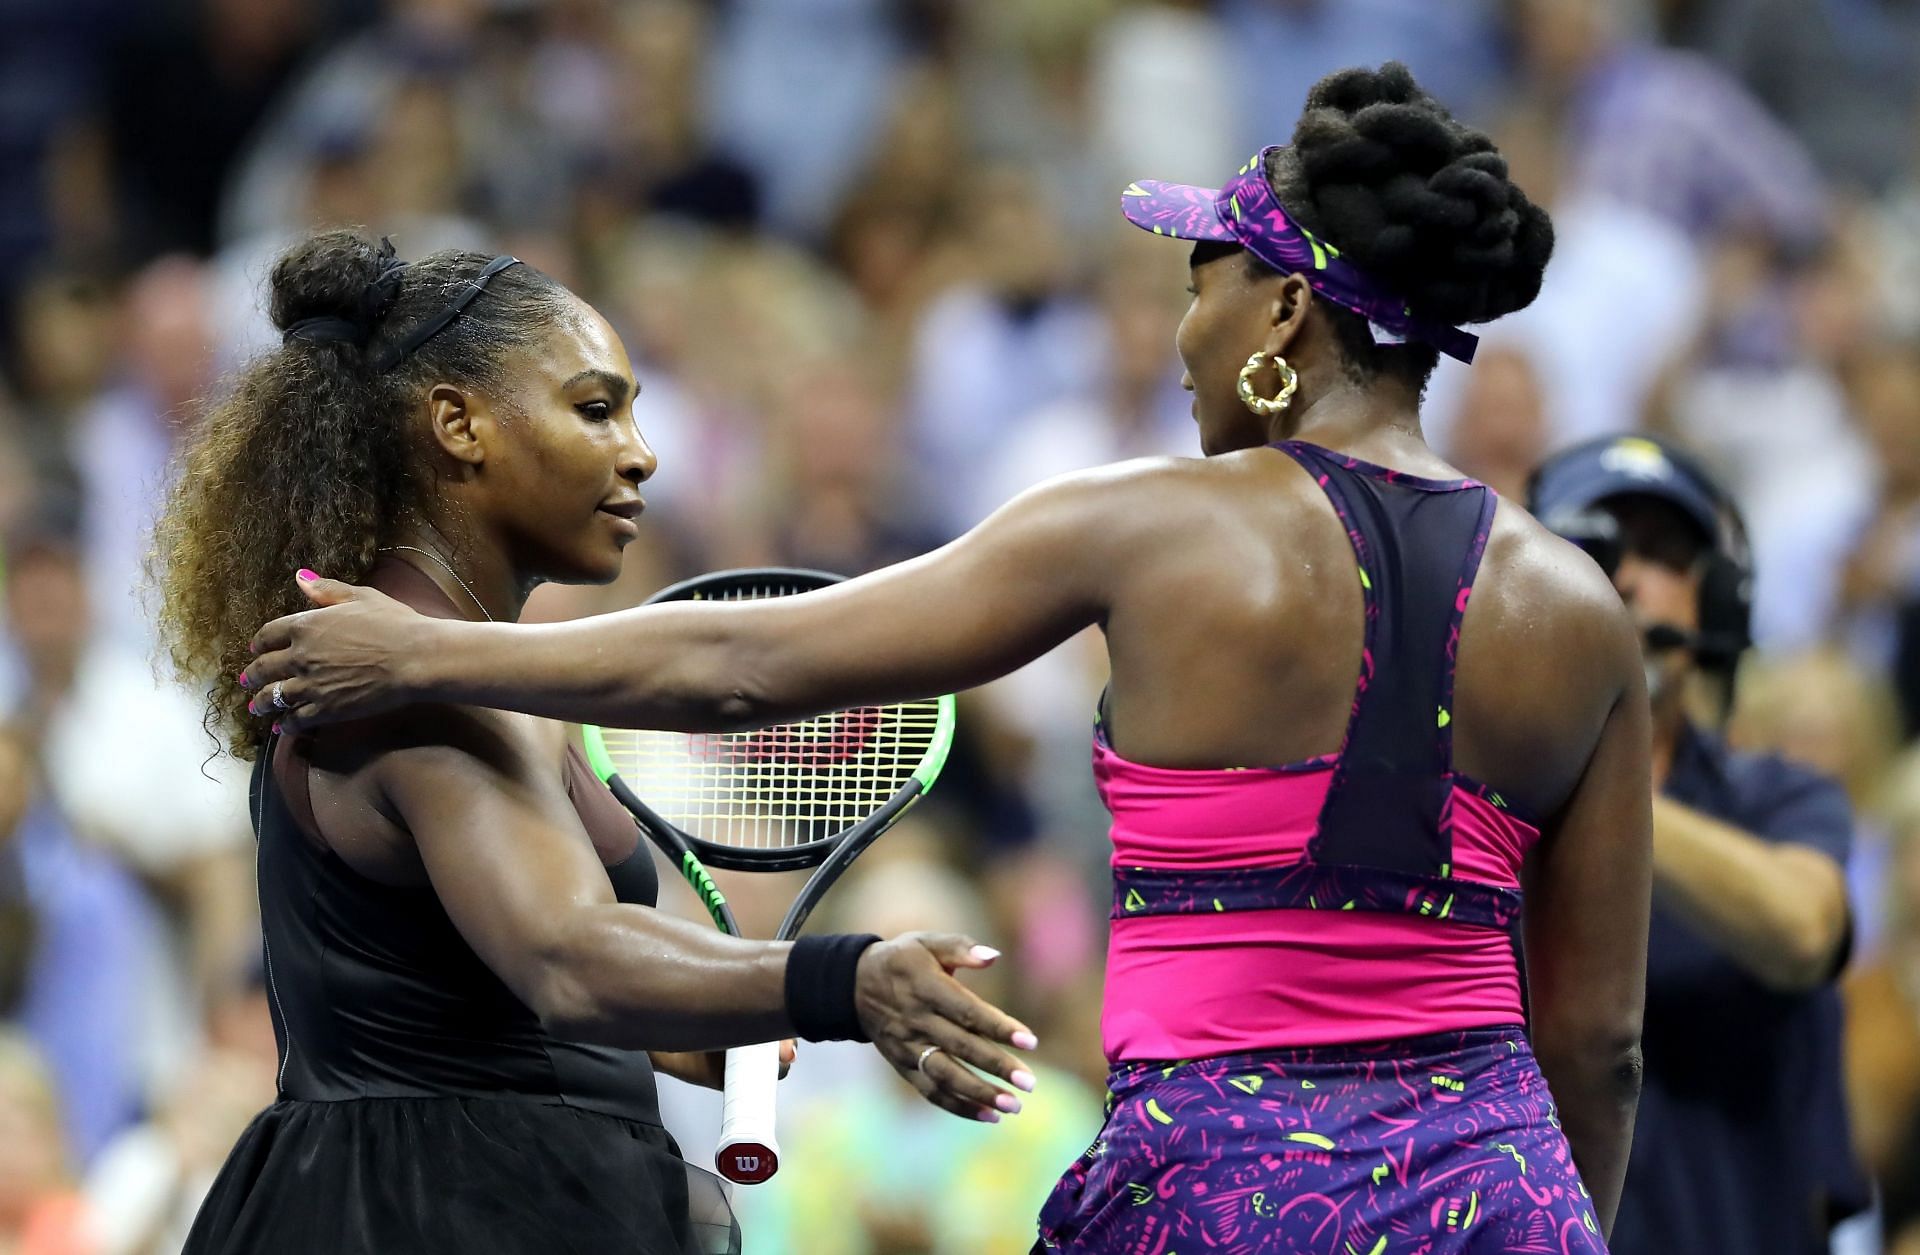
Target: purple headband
(1244, 212)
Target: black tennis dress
(422, 1107)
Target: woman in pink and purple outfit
(1370, 731)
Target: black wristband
(820, 986)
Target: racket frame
(748, 1153)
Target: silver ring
(279, 698)
(920, 1064)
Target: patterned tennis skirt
(1442, 1145)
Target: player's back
(1236, 634)
(1336, 687)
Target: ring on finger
(920, 1064)
(279, 698)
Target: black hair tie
(326, 329)
(375, 300)
(378, 296)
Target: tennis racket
(814, 793)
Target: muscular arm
(1779, 911)
(505, 853)
(481, 794)
(1032, 575)
(1588, 899)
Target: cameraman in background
(1741, 1144)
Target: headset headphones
(1565, 494)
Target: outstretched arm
(1029, 577)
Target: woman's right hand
(908, 1000)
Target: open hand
(929, 1026)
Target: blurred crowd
(866, 257)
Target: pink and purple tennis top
(1367, 895)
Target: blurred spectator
(1822, 710)
(1593, 367)
(188, 85)
(121, 443)
(660, 153)
(1282, 45)
(55, 194)
(1163, 96)
(895, 235)
(17, 923)
(1499, 429)
(1012, 339)
(830, 495)
(1759, 395)
(1883, 1015)
(1880, 587)
(1840, 73)
(97, 993)
(418, 46)
(797, 88)
(1027, 75)
(40, 1214)
(1892, 227)
(65, 320)
(145, 1188)
(1132, 406)
(1667, 131)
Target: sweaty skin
(1228, 594)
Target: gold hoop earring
(1267, 407)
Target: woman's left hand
(708, 1068)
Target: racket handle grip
(748, 1154)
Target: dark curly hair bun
(1420, 202)
(337, 279)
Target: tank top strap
(1418, 543)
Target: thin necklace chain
(443, 566)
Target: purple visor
(1245, 212)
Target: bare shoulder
(1120, 508)
(1143, 498)
(1112, 485)
(1538, 583)
(453, 744)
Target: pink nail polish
(1022, 1079)
(243, 679)
(983, 954)
(306, 576)
(988, 1117)
(276, 729)
(1025, 1040)
(1008, 1103)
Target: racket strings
(779, 787)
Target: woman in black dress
(470, 991)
